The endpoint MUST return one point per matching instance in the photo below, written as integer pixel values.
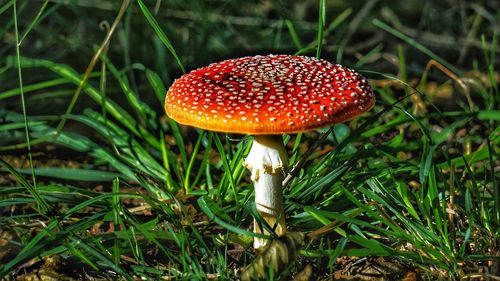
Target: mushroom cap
(273, 94)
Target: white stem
(268, 194)
(267, 160)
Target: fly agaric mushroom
(265, 96)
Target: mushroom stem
(267, 160)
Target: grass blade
(321, 26)
(159, 32)
(414, 44)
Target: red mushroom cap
(272, 94)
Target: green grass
(415, 180)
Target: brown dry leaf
(410, 276)
(8, 249)
(305, 274)
(371, 269)
(49, 271)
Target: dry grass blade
(90, 67)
